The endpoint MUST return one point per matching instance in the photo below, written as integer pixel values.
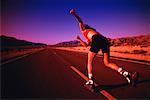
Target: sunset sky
(49, 21)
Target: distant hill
(9, 42)
(143, 40)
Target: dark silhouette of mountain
(7, 41)
(69, 43)
(142, 40)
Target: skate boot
(89, 82)
(132, 78)
(90, 85)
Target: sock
(90, 75)
(120, 70)
(123, 72)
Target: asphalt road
(47, 74)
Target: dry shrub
(115, 51)
(139, 51)
(126, 52)
(122, 51)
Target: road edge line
(14, 59)
(114, 57)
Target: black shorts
(99, 42)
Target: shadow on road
(108, 87)
(143, 81)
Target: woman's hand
(72, 11)
(78, 37)
(88, 47)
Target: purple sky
(49, 21)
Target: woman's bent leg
(131, 78)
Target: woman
(96, 42)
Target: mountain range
(142, 40)
(11, 41)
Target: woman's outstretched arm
(72, 11)
(81, 25)
(82, 42)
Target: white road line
(104, 92)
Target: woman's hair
(88, 27)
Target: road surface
(49, 74)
